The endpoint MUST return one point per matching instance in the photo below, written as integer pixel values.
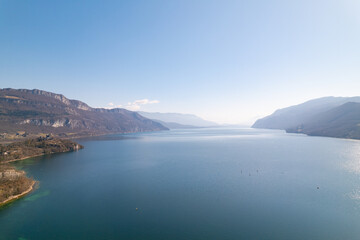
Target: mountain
(172, 125)
(294, 116)
(36, 111)
(178, 120)
(342, 121)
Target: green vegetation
(36, 147)
(13, 182)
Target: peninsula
(14, 183)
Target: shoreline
(16, 197)
(26, 150)
(24, 158)
(307, 135)
(27, 157)
(6, 142)
(36, 147)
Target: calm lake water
(193, 184)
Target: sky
(225, 61)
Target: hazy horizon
(224, 61)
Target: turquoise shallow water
(193, 184)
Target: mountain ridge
(342, 122)
(295, 115)
(183, 120)
(330, 116)
(37, 111)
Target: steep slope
(189, 120)
(36, 111)
(342, 122)
(294, 116)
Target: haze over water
(193, 184)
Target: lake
(219, 183)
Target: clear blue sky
(227, 61)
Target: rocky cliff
(37, 111)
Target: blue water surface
(220, 183)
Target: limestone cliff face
(40, 111)
(55, 123)
(60, 97)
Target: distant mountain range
(329, 116)
(178, 120)
(36, 111)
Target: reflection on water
(355, 194)
(351, 156)
(113, 137)
(193, 184)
